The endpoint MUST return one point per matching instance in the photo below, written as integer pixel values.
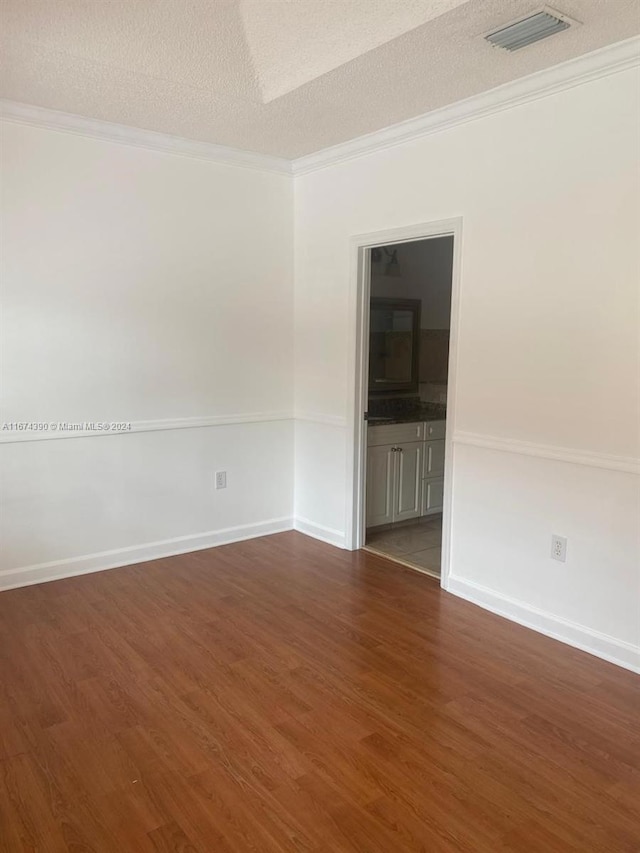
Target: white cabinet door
(434, 459)
(408, 480)
(432, 495)
(380, 484)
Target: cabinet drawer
(434, 429)
(394, 433)
(433, 458)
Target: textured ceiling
(283, 77)
(294, 41)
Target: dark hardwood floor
(282, 695)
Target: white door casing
(356, 450)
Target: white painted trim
(10, 437)
(452, 406)
(358, 367)
(148, 139)
(545, 451)
(319, 418)
(319, 531)
(595, 643)
(583, 69)
(400, 561)
(43, 572)
(358, 388)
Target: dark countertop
(426, 412)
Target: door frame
(359, 295)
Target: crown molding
(148, 139)
(583, 69)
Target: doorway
(405, 301)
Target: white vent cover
(531, 29)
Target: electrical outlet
(221, 479)
(559, 548)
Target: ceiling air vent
(535, 27)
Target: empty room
(319, 426)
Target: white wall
(149, 287)
(141, 286)
(548, 347)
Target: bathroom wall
(425, 271)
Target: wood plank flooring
(283, 695)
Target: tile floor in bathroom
(417, 542)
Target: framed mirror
(394, 345)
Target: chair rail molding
(574, 456)
(320, 418)
(52, 430)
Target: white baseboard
(319, 531)
(601, 645)
(43, 572)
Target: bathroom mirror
(394, 345)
